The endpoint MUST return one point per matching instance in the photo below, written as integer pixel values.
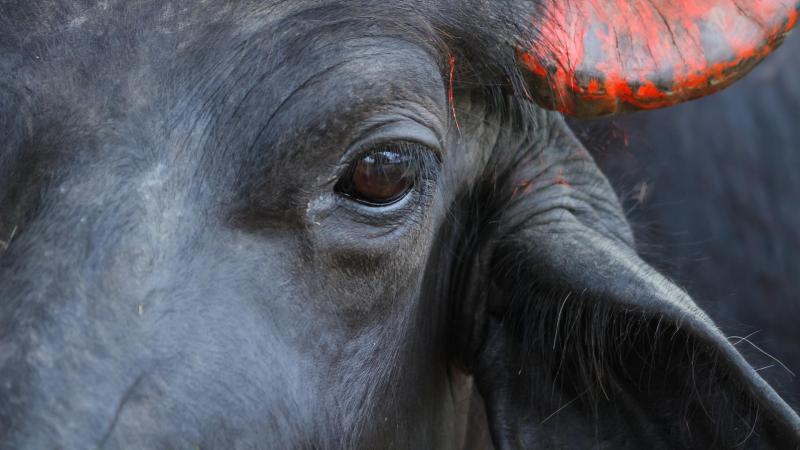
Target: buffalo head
(329, 224)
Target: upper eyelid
(418, 116)
(346, 165)
(394, 131)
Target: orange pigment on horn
(598, 57)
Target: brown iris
(379, 178)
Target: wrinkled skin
(180, 272)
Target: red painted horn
(593, 58)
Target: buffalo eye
(379, 177)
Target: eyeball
(379, 178)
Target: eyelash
(425, 161)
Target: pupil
(381, 177)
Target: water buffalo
(328, 224)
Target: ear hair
(621, 362)
(579, 350)
(573, 340)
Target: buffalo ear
(587, 346)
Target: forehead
(83, 65)
(68, 33)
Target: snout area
(148, 374)
(112, 336)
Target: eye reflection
(379, 178)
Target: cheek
(364, 280)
